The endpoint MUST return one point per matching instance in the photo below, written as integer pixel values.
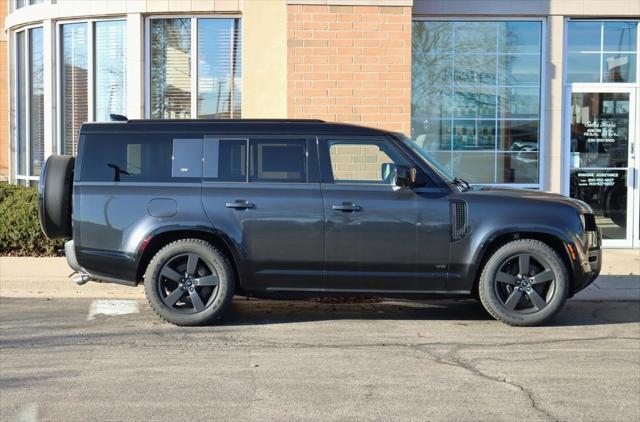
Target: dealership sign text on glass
(601, 131)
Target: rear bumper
(72, 260)
(70, 253)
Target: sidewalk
(48, 277)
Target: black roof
(233, 126)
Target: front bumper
(588, 265)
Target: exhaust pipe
(81, 279)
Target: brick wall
(4, 98)
(350, 64)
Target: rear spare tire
(54, 196)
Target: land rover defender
(202, 210)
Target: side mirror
(405, 176)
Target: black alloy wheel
(188, 283)
(525, 283)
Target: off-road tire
(205, 251)
(488, 292)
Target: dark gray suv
(202, 210)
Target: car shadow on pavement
(256, 312)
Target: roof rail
(227, 120)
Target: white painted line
(112, 307)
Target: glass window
(22, 3)
(369, 162)
(74, 83)
(218, 70)
(519, 37)
(30, 102)
(36, 101)
(225, 160)
(21, 118)
(602, 51)
(584, 36)
(618, 67)
(187, 158)
(171, 68)
(134, 158)
(583, 67)
(620, 36)
(278, 161)
(110, 56)
(477, 96)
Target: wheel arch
(553, 240)
(156, 240)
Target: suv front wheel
(189, 282)
(524, 283)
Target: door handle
(346, 207)
(240, 204)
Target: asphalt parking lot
(61, 359)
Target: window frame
(25, 70)
(194, 58)
(543, 145)
(58, 142)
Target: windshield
(436, 166)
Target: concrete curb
(48, 277)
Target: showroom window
(476, 92)
(105, 74)
(194, 68)
(110, 57)
(602, 51)
(19, 4)
(29, 117)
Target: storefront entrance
(602, 128)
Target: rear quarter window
(122, 157)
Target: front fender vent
(458, 219)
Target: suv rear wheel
(189, 282)
(524, 283)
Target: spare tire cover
(54, 196)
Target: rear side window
(278, 161)
(225, 160)
(127, 158)
(122, 157)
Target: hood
(530, 194)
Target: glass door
(602, 163)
